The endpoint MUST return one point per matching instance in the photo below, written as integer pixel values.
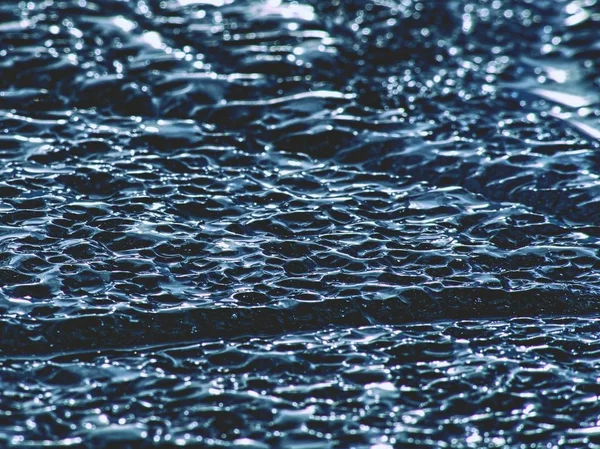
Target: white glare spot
(153, 39)
(124, 24)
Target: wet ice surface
(264, 188)
(462, 384)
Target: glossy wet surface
(462, 384)
(233, 175)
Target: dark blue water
(260, 224)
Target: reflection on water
(276, 192)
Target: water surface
(306, 224)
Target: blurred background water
(246, 223)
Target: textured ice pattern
(221, 223)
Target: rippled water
(308, 224)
